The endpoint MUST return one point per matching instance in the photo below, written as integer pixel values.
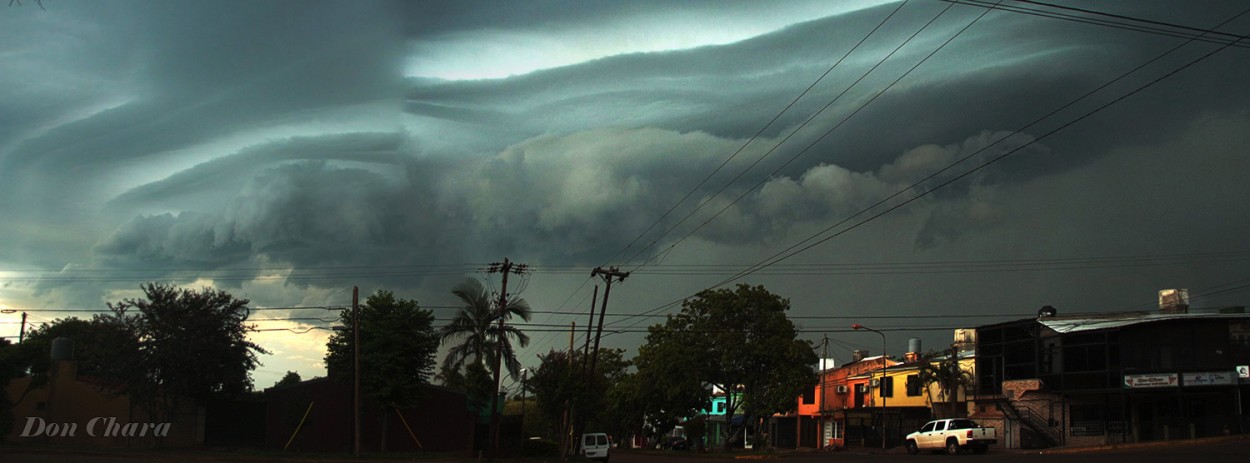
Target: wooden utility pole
(590, 325)
(564, 423)
(356, 371)
(608, 275)
(588, 373)
(505, 268)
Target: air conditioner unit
(861, 388)
(874, 382)
(840, 389)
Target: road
(1207, 452)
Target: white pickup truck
(951, 435)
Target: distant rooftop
(1091, 322)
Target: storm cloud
(290, 150)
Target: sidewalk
(1136, 445)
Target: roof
(1075, 324)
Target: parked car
(677, 443)
(595, 445)
(951, 435)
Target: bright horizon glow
(498, 54)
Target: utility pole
(608, 275)
(505, 268)
(356, 371)
(21, 335)
(590, 324)
(564, 423)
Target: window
(962, 424)
(719, 407)
(887, 387)
(914, 386)
(809, 397)
(928, 427)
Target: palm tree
(478, 324)
(947, 374)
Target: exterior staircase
(1051, 435)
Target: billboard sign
(1209, 378)
(1152, 380)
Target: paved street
(1206, 451)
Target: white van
(595, 445)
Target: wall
(80, 414)
(440, 423)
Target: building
(1095, 379)
(75, 410)
(850, 404)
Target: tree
(735, 340)
(944, 371)
(605, 400)
(98, 344)
(291, 377)
(477, 322)
(186, 345)
(10, 368)
(398, 346)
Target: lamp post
(858, 326)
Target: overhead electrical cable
(803, 245)
(832, 129)
(774, 149)
(1122, 22)
(790, 252)
(752, 139)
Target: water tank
(858, 354)
(62, 348)
(1047, 311)
(913, 345)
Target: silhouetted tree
(184, 345)
(291, 377)
(398, 346)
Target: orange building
(72, 410)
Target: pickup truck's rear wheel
(911, 447)
(952, 446)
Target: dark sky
(286, 151)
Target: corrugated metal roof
(1078, 324)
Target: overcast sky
(286, 151)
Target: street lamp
(858, 326)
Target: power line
(791, 251)
(836, 126)
(1144, 25)
(993, 160)
(777, 145)
(743, 147)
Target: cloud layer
(289, 150)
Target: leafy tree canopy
(736, 340)
(291, 377)
(398, 345)
(558, 383)
(186, 344)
